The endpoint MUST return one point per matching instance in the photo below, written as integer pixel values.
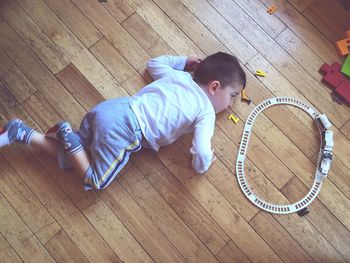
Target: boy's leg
(73, 149)
(17, 131)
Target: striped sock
(16, 130)
(69, 139)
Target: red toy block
(344, 90)
(332, 75)
(344, 44)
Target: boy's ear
(213, 87)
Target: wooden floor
(60, 58)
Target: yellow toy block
(233, 117)
(260, 73)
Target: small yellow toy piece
(233, 117)
(245, 97)
(272, 9)
(260, 73)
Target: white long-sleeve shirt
(173, 105)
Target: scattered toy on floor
(233, 117)
(336, 81)
(245, 97)
(346, 66)
(260, 73)
(344, 44)
(272, 9)
(332, 75)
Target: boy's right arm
(201, 150)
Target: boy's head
(222, 78)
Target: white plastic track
(321, 121)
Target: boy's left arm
(161, 66)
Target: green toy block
(346, 66)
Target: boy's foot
(64, 133)
(61, 127)
(15, 130)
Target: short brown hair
(222, 67)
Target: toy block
(332, 75)
(344, 90)
(271, 9)
(344, 44)
(260, 73)
(233, 117)
(346, 66)
(245, 97)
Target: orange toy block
(344, 44)
(271, 9)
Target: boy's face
(223, 98)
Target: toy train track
(323, 164)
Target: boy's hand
(214, 157)
(192, 63)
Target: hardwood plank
(339, 176)
(279, 239)
(299, 229)
(19, 236)
(138, 223)
(73, 48)
(81, 89)
(278, 58)
(121, 10)
(169, 222)
(71, 183)
(189, 210)
(271, 24)
(130, 176)
(187, 22)
(6, 251)
(63, 249)
(299, 51)
(346, 130)
(75, 21)
(44, 114)
(305, 31)
(258, 153)
(48, 232)
(10, 108)
(115, 234)
(299, 163)
(300, 5)
(336, 11)
(59, 244)
(147, 162)
(113, 31)
(30, 32)
(112, 60)
(38, 74)
(231, 251)
(21, 199)
(146, 36)
(44, 187)
(326, 223)
(14, 79)
(220, 28)
(275, 84)
(323, 22)
(216, 205)
(309, 142)
(86, 238)
(343, 147)
(166, 28)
